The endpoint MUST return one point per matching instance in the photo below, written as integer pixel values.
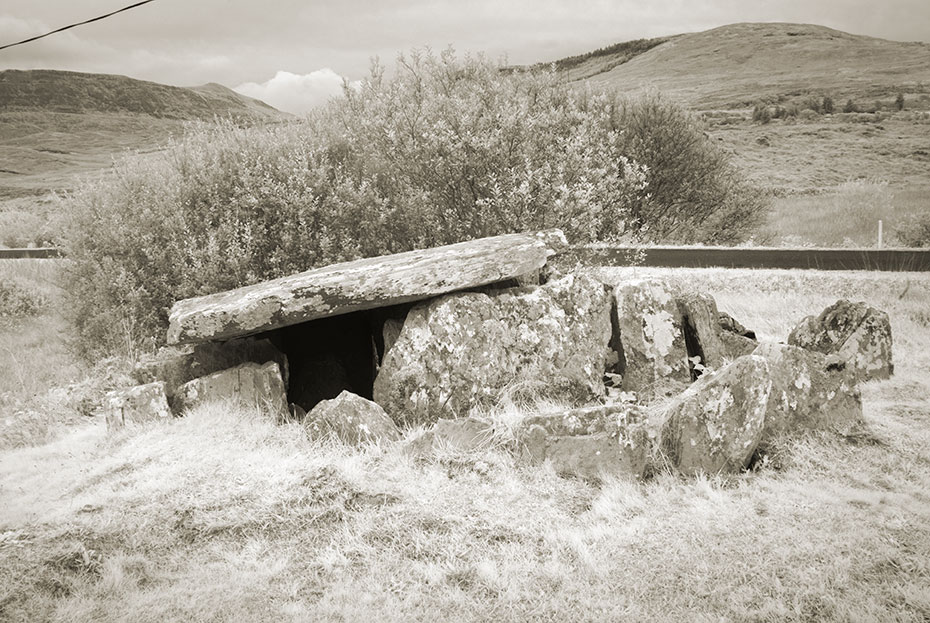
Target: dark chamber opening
(329, 355)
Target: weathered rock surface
(463, 350)
(358, 285)
(178, 365)
(731, 325)
(461, 435)
(351, 419)
(249, 385)
(702, 331)
(589, 442)
(649, 321)
(859, 334)
(142, 403)
(716, 424)
(810, 391)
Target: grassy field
(221, 517)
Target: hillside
(73, 92)
(56, 126)
(733, 66)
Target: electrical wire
(69, 26)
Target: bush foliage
(444, 150)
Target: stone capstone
(810, 391)
(351, 419)
(359, 285)
(249, 385)
(858, 334)
(716, 424)
(464, 350)
(142, 403)
(589, 443)
(651, 337)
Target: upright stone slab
(142, 403)
(717, 423)
(464, 350)
(649, 322)
(810, 391)
(713, 335)
(249, 385)
(857, 333)
(359, 285)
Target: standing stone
(178, 365)
(716, 424)
(858, 334)
(351, 419)
(589, 442)
(700, 323)
(249, 385)
(142, 403)
(649, 322)
(810, 391)
(464, 350)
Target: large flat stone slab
(359, 285)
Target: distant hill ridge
(734, 65)
(74, 92)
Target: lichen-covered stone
(650, 332)
(717, 423)
(178, 365)
(142, 403)
(589, 442)
(460, 435)
(358, 285)
(351, 419)
(858, 334)
(810, 391)
(702, 329)
(464, 350)
(249, 385)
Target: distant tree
(899, 102)
(827, 105)
(850, 106)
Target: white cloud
(296, 93)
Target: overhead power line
(69, 26)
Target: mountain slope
(735, 65)
(73, 92)
(55, 125)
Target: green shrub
(850, 106)
(899, 102)
(17, 301)
(761, 113)
(827, 105)
(445, 150)
(914, 231)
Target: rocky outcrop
(717, 423)
(249, 385)
(134, 405)
(810, 391)
(465, 350)
(651, 338)
(351, 419)
(359, 285)
(588, 443)
(858, 334)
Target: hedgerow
(444, 150)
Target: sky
(295, 54)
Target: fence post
(879, 233)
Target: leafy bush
(761, 113)
(443, 151)
(17, 301)
(914, 231)
(850, 106)
(827, 105)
